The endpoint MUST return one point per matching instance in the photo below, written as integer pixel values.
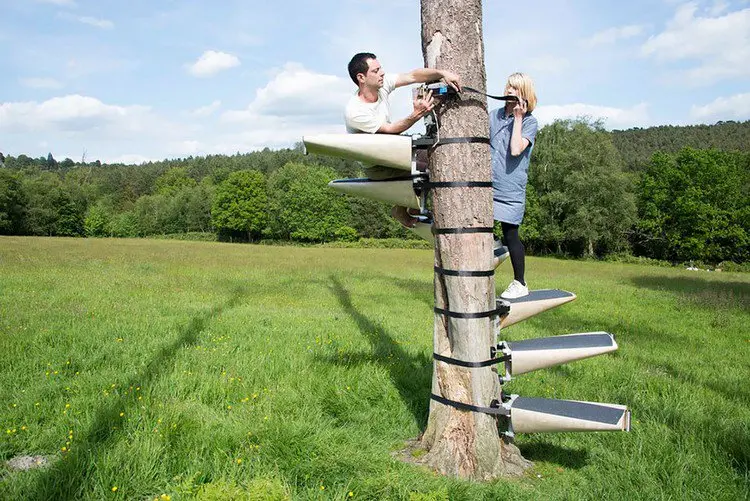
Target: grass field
(148, 369)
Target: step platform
(544, 415)
(540, 353)
(397, 191)
(423, 228)
(390, 150)
(536, 302)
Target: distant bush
(196, 236)
(624, 257)
(733, 267)
(381, 243)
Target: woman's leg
(517, 252)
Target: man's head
(364, 69)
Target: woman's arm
(518, 143)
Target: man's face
(374, 77)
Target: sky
(153, 79)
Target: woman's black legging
(515, 247)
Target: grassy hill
(146, 369)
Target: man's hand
(423, 104)
(452, 79)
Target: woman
(512, 133)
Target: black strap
(480, 314)
(496, 408)
(463, 363)
(463, 273)
(454, 231)
(499, 98)
(456, 140)
(458, 184)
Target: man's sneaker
(500, 253)
(515, 290)
(401, 214)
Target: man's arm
(423, 75)
(422, 106)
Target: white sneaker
(499, 253)
(515, 290)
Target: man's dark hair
(359, 64)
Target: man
(369, 111)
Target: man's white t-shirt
(369, 117)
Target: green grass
(220, 371)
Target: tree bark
(461, 443)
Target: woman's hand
(520, 109)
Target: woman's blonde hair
(525, 86)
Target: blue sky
(147, 80)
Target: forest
(673, 193)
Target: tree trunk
(463, 443)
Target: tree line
(668, 193)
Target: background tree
(695, 205)
(52, 210)
(585, 200)
(50, 163)
(240, 205)
(97, 221)
(149, 214)
(173, 181)
(373, 219)
(12, 203)
(303, 208)
(461, 443)
(637, 145)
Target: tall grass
(147, 368)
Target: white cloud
(299, 94)
(208, 110)
(269, 132)
(735, 107)
(41, 83)
(612, 35)
(212, 62)
(614, 118)
(86, 117)
(187, 147)
(719, 45)
(104, 24)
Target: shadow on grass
(703, 291)
(422, 290)
(66, 478)
(543, 451)
(411, 374)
